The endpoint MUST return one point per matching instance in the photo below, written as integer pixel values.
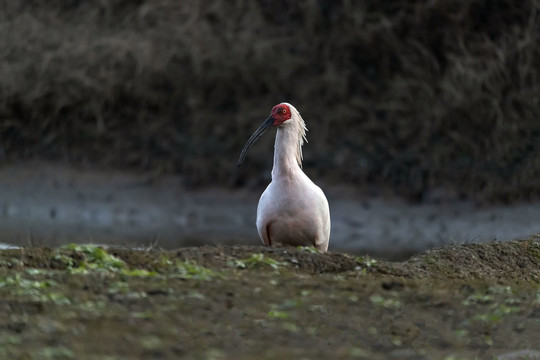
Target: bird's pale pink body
(292, 210)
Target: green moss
(93, 258)
(55, 353)
(256, 260)
(379, 300)
(278, 314)
(190, 270)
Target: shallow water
(44, 204)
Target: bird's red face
(280, 113)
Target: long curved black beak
(267, 124)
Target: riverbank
(51, 205)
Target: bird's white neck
(288, 148)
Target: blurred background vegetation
(413, 95)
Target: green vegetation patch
(256, 260)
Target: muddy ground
(472, 301)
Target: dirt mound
(83, 301)
(513, 261)
(305, 260)
(499, 261)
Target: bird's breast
(291, 198)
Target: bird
(292, 211)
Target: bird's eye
(284, 111)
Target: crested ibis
(292, 211)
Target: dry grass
(415, 95)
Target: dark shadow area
(414, 95)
